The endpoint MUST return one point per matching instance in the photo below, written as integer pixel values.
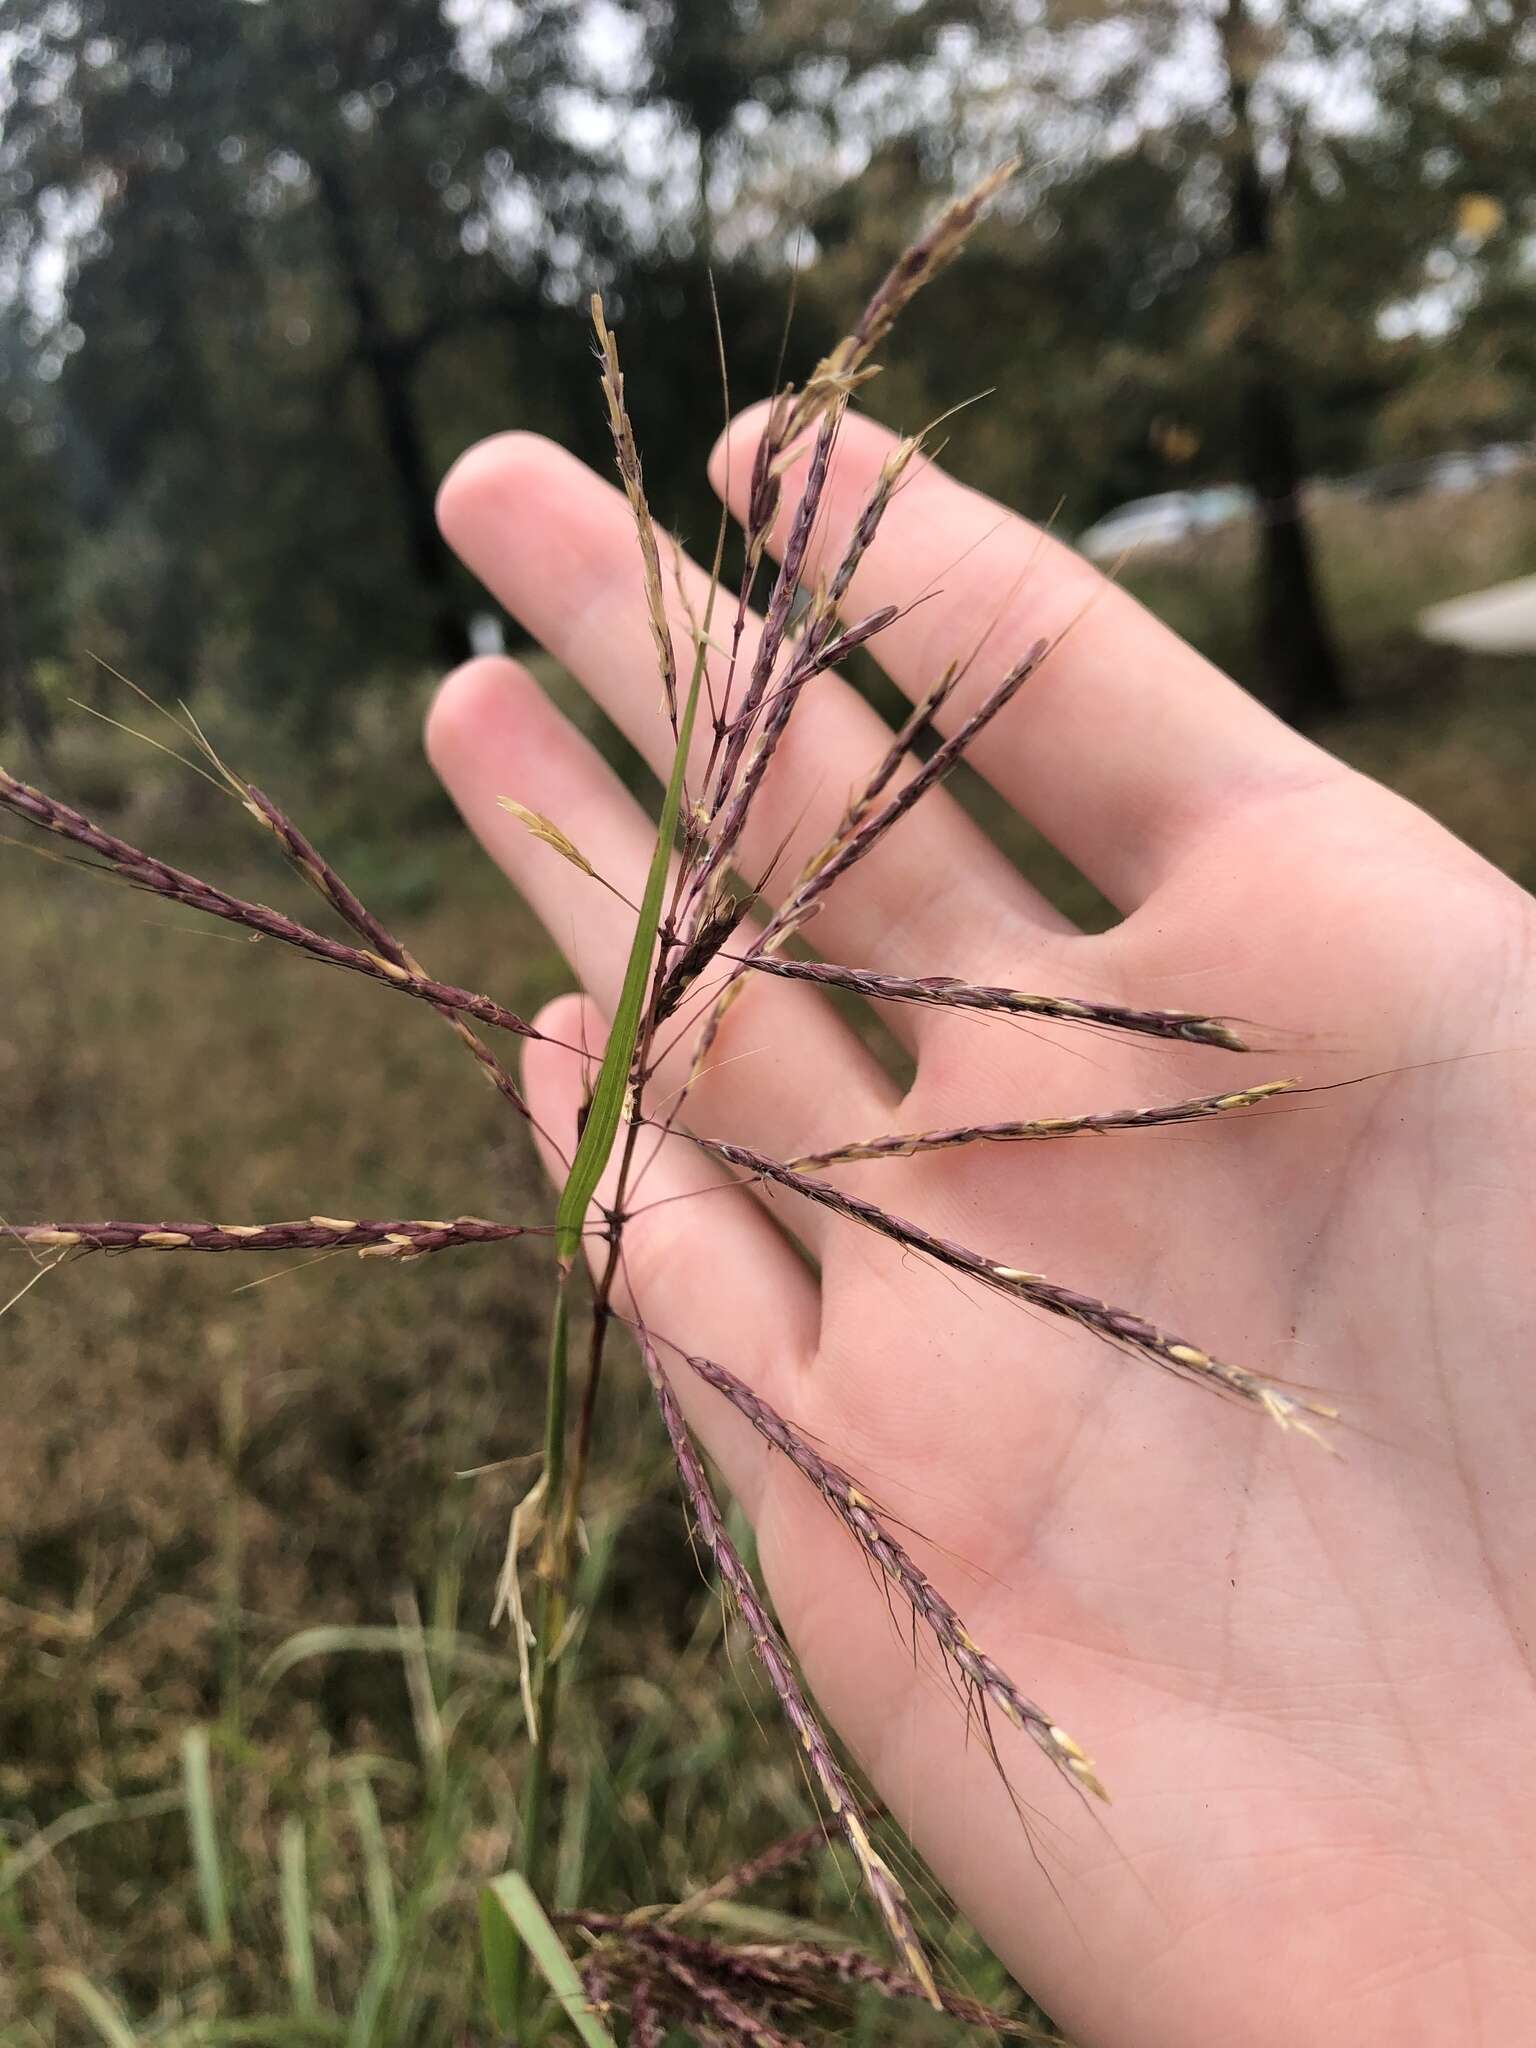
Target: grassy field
(240, 1516)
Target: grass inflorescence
(686, 964)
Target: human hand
(1307, 1683)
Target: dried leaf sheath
(985, 1681)
(774, 1657)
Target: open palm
(1307, 1683)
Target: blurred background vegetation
(265, 267)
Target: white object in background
(1497, 621)
(1163, 521)
(486, 635)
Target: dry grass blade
(774, 1657)
(905, 1144)
(1118, 1326)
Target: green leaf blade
(509, 1908)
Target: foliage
(309, 254)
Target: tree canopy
(266, 267)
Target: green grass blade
(499, 1952)
(607, 1103)
(277, 2032)
(298, 1934)
(16, 1863)
(202, 1824)
(331, 1640)
(378, 1879)
(105, 2014)
(510, 1896)
(376, 1985)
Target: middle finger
(557, 546)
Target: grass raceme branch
(945, 992)
(406, 1239)
(774, 1657)
(985, 1683)
(905, 1144)
(161, 879)
(1118, 1326)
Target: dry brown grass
(191, 1476)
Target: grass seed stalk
(683, 957)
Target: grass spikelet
(799, 1971)
(866, 832)
(720, 2010)
(549, 834)
(647, 2028)
(632, 477)
(777, 1856)
(917, 266)
(859, 836)
(327, 883)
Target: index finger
(1127, 747)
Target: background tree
(284, 262)
(285, 214)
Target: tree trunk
(388, 366)
(1297, 653)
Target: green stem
(549, 1626)
(604, 1114)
